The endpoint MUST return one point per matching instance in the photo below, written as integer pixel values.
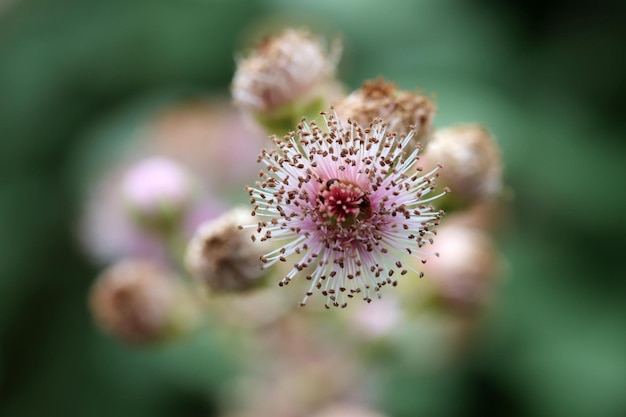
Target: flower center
(342, 202)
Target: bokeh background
(546, 76)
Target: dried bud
(134, 301)
(402, 110)
(472, 165)
(466, 268)
(223, 256)
(285, 74)
(157, 192)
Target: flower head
(348, 203)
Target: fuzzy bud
(378, 320)
(223, 256)
(134, 301)
(157, 192)
(285, 78)
(402, 110)
(472, 165)
(466, 268)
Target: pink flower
(348, 203)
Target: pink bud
(157, 191)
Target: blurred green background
(547, 78)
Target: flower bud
(466, 268)
(472, 165)
(135, 301)
(285, 78)
(157, 192)
(378, 320)
(402, 110)
(223, 256)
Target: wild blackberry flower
(347, 202)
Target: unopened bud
(378, 320)
(285, 78)
(402, 110)
(472, 165)
(466, 268)
(223, 256)
(157, 192)
(134, 301)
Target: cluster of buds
(465, 274)
(138, 299)
(140, 216)
(349, 202)
(354, 200)
(352, 208)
